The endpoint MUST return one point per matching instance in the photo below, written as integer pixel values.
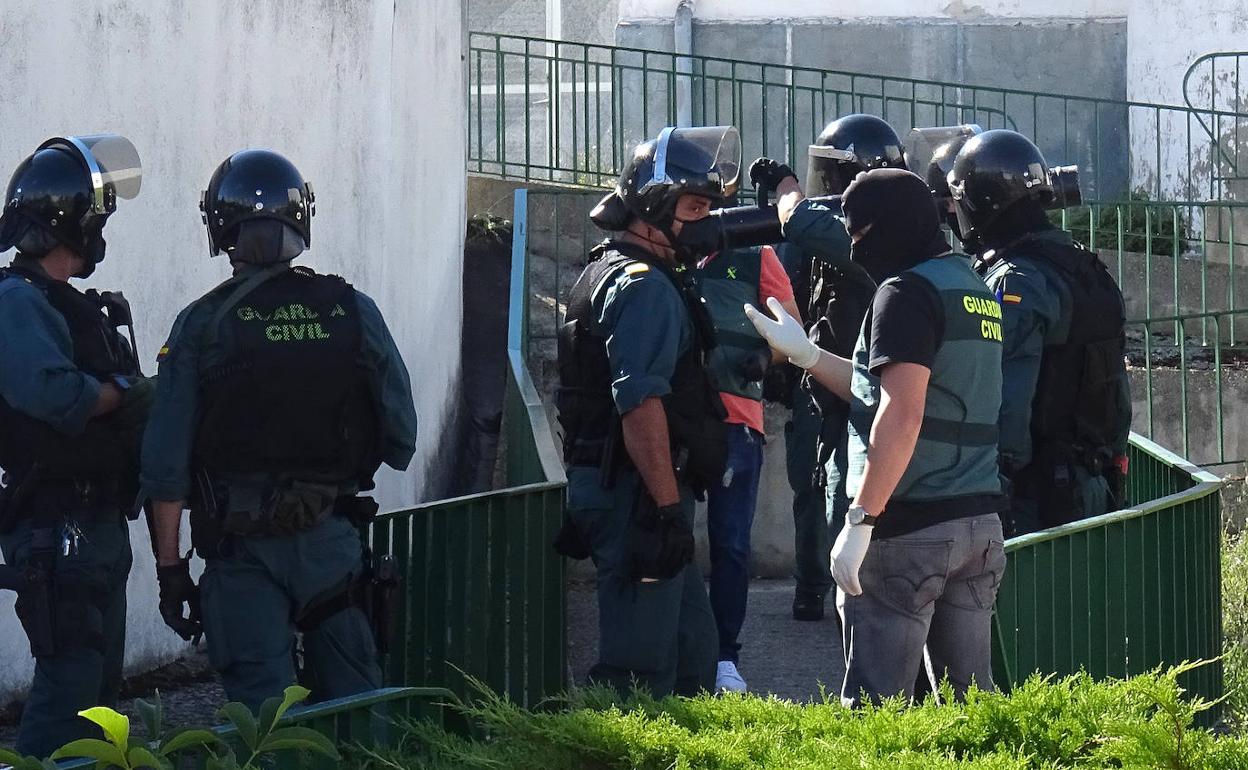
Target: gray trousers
(932, 590)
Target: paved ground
(779, 655)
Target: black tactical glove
(770, 173)
(754, 366)
(662, 541)
(177, 589)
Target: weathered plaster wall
(366, 98)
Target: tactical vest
(1092, 357)
(291, 396)
(1077, 403)
(98, 350)
(727, 283)
(587, 413)
(956, 453)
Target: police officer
(72, 408)
(921, 554)
(280, 394)
(839, 294)
(1066, 413)
(643, 428)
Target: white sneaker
(728, 679)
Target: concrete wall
(581, 21)
(739, 10)
(365, 97)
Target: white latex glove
(847, 555)
(784, 333)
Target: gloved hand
(784, 333)
(661, 541)
(847, 555)
(770, 173)
(177, 589)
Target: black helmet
(65, 192)
(847, 147)
(255, 185)
(702, 161)
(996, 171)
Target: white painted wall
(1163, 39)
(816, 11)
(366, 97)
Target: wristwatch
(858, 515)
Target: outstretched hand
(784, 334)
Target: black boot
(807, 605)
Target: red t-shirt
(772, 282)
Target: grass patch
(1074, 722)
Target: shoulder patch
(636, 268)
(1012, 298)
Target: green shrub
(259, 737)
(1235, 628)
(1138, 217)
(1068, 723)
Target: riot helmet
(64, 193)
(847, 147)
(703, 161)
(258, 208)
(931, 152)
(1000, 178)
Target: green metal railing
(1194, 388)
(1214, 83)
(568, 113)
(484, 590)
(1122, 593)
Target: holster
(385, 589)
(376, 593)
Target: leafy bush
(259, 737)
(1235, 628)
(1068, 723)
(1138, 217)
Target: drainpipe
(682, 28)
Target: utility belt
(33, 494)
(1050, 479)
(268, 506)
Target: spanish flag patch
(164, 351)
(636, 268)
(1011, 298)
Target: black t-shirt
(907, 324)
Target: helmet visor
(829, 170)
(112, 162)
(701, 161)
(930, 152)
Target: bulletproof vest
(98, 350)
(956, 453)
(290, 397)
(1076, 406)
(727, 283)
(587, 413)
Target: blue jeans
(729, 517)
